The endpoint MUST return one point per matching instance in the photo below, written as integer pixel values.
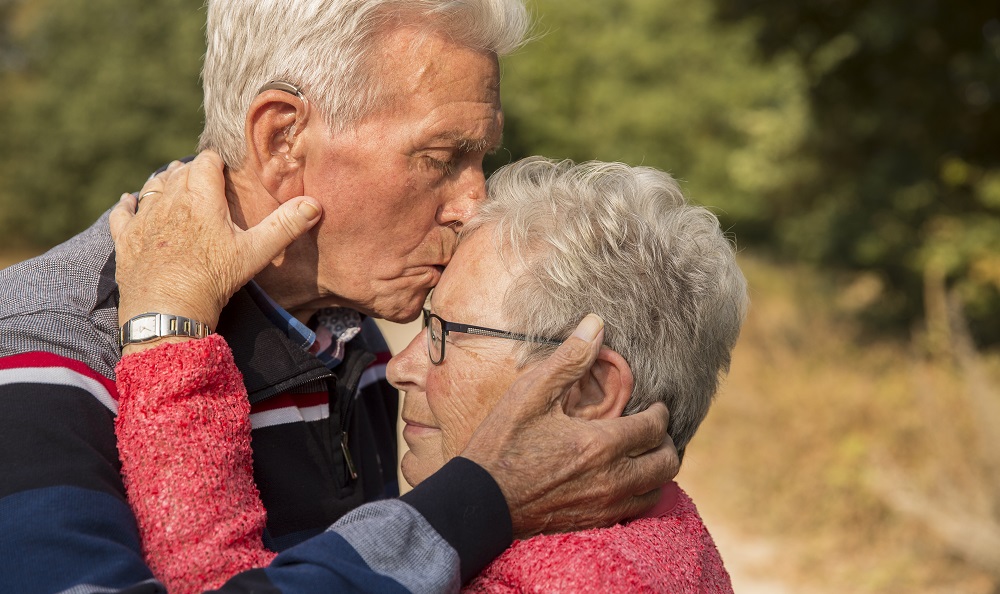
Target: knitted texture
(670, 553)
(183, 433)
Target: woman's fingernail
(589, 327)
(308, 210)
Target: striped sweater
(65, 524)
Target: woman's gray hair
(624, 243)
(327, 48)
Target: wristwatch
(151, 326)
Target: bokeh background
(852, 148)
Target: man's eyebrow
(467, 145)
(473, 145)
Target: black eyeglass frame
(447, 327)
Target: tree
(95, 96)
(903, 96)
(658, 82)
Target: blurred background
(851, 147)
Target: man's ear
(604, 390)
(274, 126)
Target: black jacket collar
(269, 361)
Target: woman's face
(444, 403)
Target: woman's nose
(408, 368)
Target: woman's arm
(183, 433)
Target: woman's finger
(121, 214)
(262, 243)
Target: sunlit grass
(811, 419)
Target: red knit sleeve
(183, 432)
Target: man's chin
(401, 313)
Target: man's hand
(182, 253)
(560, 473)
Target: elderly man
(381, 111)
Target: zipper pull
(347, 457)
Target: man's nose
(469, 192)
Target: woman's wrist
(138, 347)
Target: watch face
(143, 328)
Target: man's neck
(249, 204)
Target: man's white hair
(624, 243)
(327, 48)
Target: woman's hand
(182, 254)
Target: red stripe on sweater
(291, 401)
(43, 360)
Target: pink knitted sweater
(183, 432)
(184, 440)
(668, 550)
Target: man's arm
(65, 524)
(64, 520)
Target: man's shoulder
(64, 301)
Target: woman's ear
(604, 390)
(274, 126)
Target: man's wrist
(464, 504)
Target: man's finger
(652, 468)
(278, 230)
(553, 376)
(635, 506)
(639, 433)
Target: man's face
(395, 186)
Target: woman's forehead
(473, 285)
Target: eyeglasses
(438, 329)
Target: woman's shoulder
(668, 552)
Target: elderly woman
(554, 242)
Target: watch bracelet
(151, 326)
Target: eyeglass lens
(435, 338)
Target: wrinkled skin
(184, 253)
(445, 406)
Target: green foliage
(856, 135)
(657, 82)
(94, 96)
(905, 120)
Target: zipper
(351, 469)
(353, 367)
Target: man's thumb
(279, 229)
(554, 376)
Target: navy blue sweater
(65, 524)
